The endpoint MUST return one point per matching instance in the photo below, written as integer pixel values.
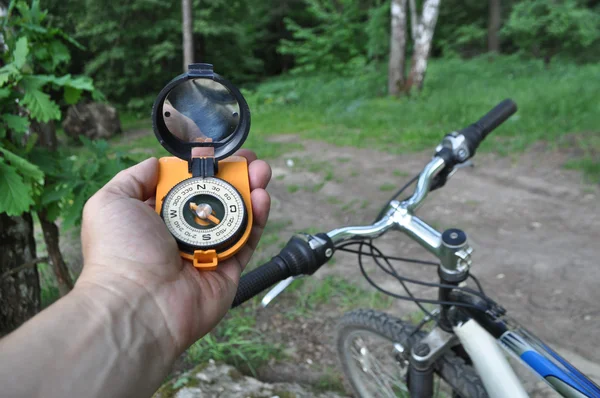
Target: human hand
(131, 257)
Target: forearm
(90, 343)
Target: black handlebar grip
(260, 279)
(476, 133)
(296, 258)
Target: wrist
(128, 314)
(96, 341)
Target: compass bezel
(220, 245)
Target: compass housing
(200, 108)
(234, 171)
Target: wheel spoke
(376, 372)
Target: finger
(138, 182)
(232, 269)
(248, 154)
(261, 204)
(260, 174)
(151, 202)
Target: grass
(387, 187)
(271, 242)
(400, 173)
(310, 296)
(331, 380)
(235, 341)
(292, 188)
(354, 110)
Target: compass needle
(214, 219)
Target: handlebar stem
(417, 229)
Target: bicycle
(462, 347)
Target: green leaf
(15, 195)
(20, 53)
(39, 80)
(49, 161)
(34, 28)
(25, 168)
(31, 141)
(72, 212)
(71, 40)
(4, 93)
(72, 95)
(59, 52)
(40, 105)
(90, 170)
(6, 72)
(55, 193)
(16, 123)
(52, 211)
(81, 83)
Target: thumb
(137, 182)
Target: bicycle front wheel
(369, 346)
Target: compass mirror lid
(200, 109)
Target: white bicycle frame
(498, 377)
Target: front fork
(423, 356)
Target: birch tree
(413, 19)
(188, 33)
(422, 44)
(396, 71)
(494, 26)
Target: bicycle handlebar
(304, 254)
(476, 133)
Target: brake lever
(277, 290)
(441, 179)
(467, 163)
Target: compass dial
(204, 213)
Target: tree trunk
(188, 34)
(397, 45)
(19, 290)
(47, 139)
(51, 238)
(422, 44)
(494, 26)
(413, 19)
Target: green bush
(343, 37)
(549, 28)
(33, 90)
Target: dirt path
(535, 228)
